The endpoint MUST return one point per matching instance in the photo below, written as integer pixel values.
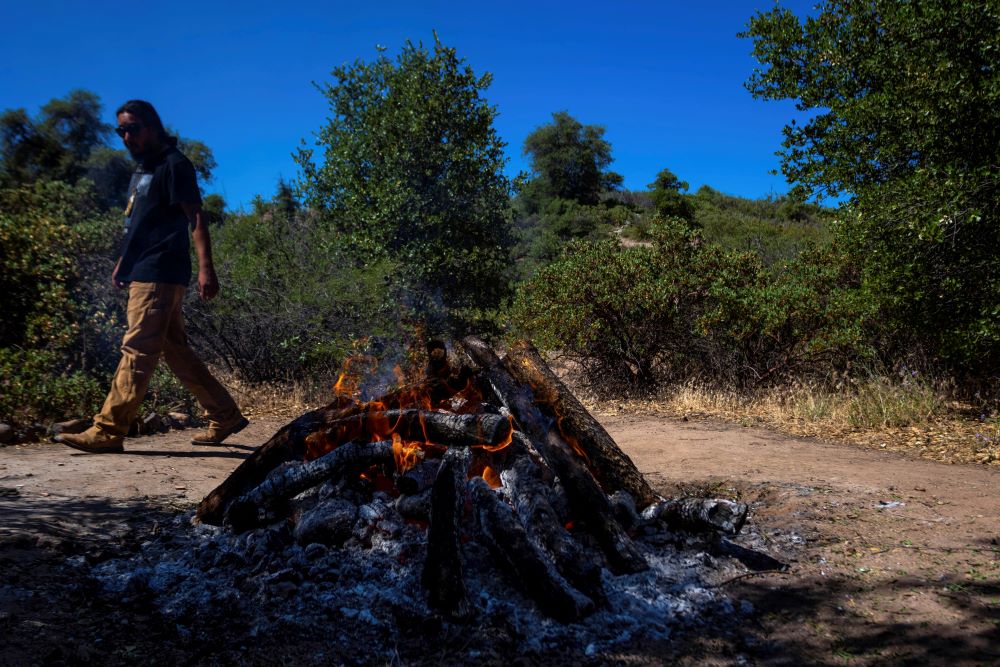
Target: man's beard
(136, 154)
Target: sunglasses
(131, 128)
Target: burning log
(530, 498)
(699, 514)
(289, 443)
(613, 469)
(588, 502)
(416, 425)
(442, 573)
(257, 506)
(527, 565)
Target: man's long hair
(145, 112)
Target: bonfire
(481, 448)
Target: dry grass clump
(906, 414)
(277, 400)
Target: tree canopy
(569, 159)
(667, 197)
(904, 121)
(412, 169)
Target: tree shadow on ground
(800, 622)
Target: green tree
(666, 192)
(56, 145)
(903, 120)
(412, 170)
(568, 160)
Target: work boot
(216, 433)
(92, 441)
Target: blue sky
(664, 78)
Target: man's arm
(114, 275)
(208, 283)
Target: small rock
(70, 426)
(6, 434)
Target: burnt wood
(289, 442)
(256, 506)
(442, 571)
(416, 507)
(418, 478)
(530, 497)
(613, 468)
(588, 502)
(699, 514)
(440, 428)
(528, 567)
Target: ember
(496, 452)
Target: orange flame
(505, 442)
(406, 454)
(491, 477)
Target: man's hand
(114, 275)
(208, 284)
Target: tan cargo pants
(155, 327)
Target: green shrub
(36, 385)
(626, 314)
(775, 229)
(292, 298)
(634, 317)
(807, 316)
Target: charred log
(587, 500)
(416, 507)
(624, 507)
(613, 468)
(288, 444)
(417, 425)
(522, 560)
(758, 561)
(254, 507)
(699, 515)
(418, 478)
(442, 573)
(529, 495)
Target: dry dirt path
(893, 560)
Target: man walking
(155, 265)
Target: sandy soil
(894, 560)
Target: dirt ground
(893, 560)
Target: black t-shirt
(156, 248)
